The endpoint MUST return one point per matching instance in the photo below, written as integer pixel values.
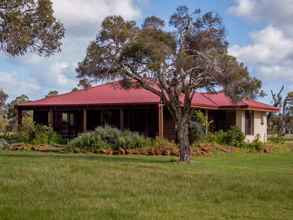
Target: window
(249, 122)
(65, 117)
(68, 118)
(263, 118)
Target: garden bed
(201, 150)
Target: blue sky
(260, 33)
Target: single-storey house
(139, 110)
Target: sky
(260, 33)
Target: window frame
(249, 122)
(68, 118)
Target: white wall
(260, 125)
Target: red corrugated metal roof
(223, 101)
(113, 94)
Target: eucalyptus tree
(172, 62)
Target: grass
(238, 186)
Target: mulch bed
(39, 148)
(202, 150)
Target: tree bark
(183, 139)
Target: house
(139, 110)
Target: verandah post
(121, 119)
(51, 118)
(19, 118)
(207, 121)
(84, 128)
(161, 120)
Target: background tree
(84, 83)
(12, 113)
(52, 93)
(277, 100)
(75, 89)
(3, 119)
(286, 116)
(29, 25)
(282, 123)
(171, 64)
(3, 98)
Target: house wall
(260, 125)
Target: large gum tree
(171, 61)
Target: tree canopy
(52, 93)
(281, 123)
(173, 62)
(17, 101)
(3, 98)
(29, 26)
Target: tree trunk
(183, 140)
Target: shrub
(45, 135)
(32, 133)
(3, 144)
(233, 137)
(276, 139)
(10, 137)
(108, 134)
(256, 144)
(26, 133)
(162, 142)
(3, 124)
(199, 123)
(88, 141)
(197, 132)
(132, 140)
(107, 137)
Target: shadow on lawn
(128, 159)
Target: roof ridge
(71, 92)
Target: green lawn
(239, 186)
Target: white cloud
(14, 86)
(242, 7)
(270, 52)
(269, 45)
(83, 17)
(277, 12)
